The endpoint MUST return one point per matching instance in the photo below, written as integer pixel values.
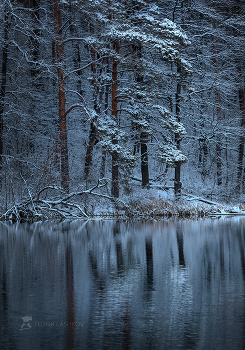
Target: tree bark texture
(76, 48)
(241, 93)
(144, 159)
(218, 104)
(93, 139)
(143, 140)
(93, 133)
(115, 168)
(33, 6)
(61, 86)
(177, 182)
(242, 139)
(7, 22)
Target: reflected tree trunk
(119, 257)
(4, 302)
(70, 298)
(180, 243)
(95, 272)
(118, 246)
(126, 329)
(149, 264)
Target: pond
(123, 285)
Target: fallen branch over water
(65, 206)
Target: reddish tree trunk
(61, 84)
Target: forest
(103, 100)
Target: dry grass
(155, 208)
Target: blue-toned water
(123, 285)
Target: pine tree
(137, 27)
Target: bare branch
(72, 39)
(88, 65)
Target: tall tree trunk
(106, 89)
(241, 93)
(33, 5)
(93, 133)
(144, 159)
(218, 104)
(7, 21)
(93, 139)
(76, 48)
(61, 85)
(177, 182)
(106, 101)
(242, 139)
(115, 168)
(143, 139)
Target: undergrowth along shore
(153, 209)
(52, 203)
(179, 209)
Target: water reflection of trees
(131, 285)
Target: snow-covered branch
(65, 206)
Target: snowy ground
(156, 202)
(135, 202)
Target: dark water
(116, 285)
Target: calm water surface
(117, 285)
